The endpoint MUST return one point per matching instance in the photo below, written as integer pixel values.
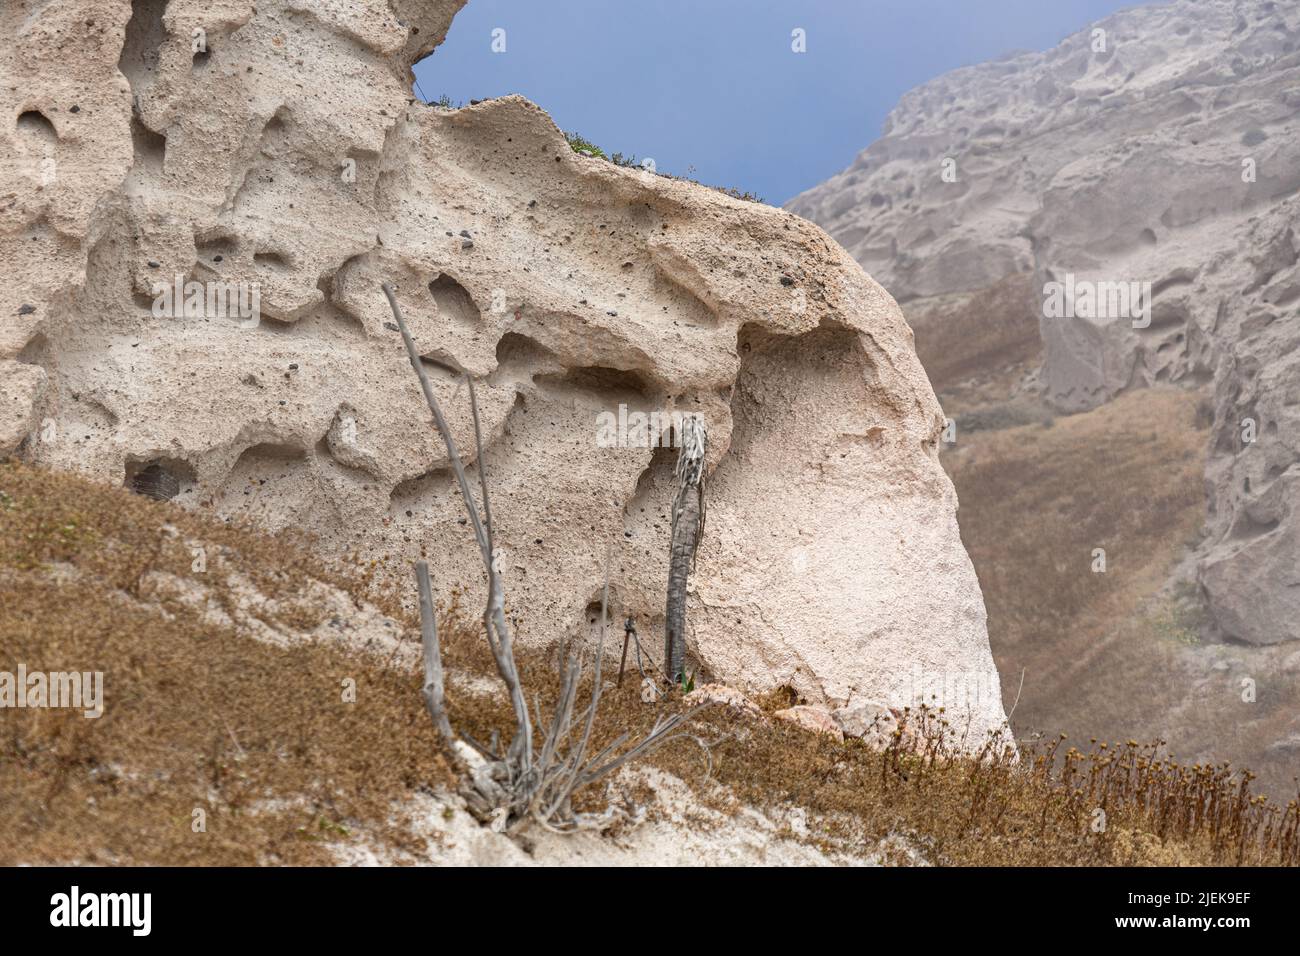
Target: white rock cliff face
(1160, 146)
(567, 286)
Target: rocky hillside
(1161, 147)
(266, 709)
(272, 153)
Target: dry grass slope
(965, 335)
(1035, 503)
(259, 736)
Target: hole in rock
(453, 300)
(158, 478)
(36, 124)
(216, 248)
(597, 378)
(272, 260)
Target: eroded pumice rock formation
(286, 156)
(1160, 145)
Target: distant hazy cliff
(1161, 146)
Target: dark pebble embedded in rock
(392, 327)
(26, 309)
(786, 280)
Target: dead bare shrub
(525, 782)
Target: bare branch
(494, 615)
(440, 421)
(433, 677)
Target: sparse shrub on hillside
(744, 194)
(529, 781)
(584, 146)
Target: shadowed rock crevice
(453, 302)
(622, 384)
(36, 127)
(159, 478)
(145, 34)
(150, 148)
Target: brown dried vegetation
(198, 716)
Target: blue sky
(711, 88)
